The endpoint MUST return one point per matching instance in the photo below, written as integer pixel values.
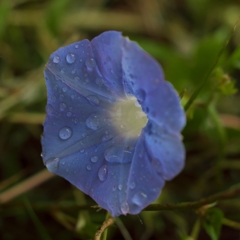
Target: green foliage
(212, 223)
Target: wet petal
(166, 151)
(108, 54)
(158, 98)
(90, 133)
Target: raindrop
(90, 64)
(93, 100)
(52, 165)
(93, 122)
(70, 58)
(65, 133)
(89, 167)
(132, 185)
(106, 137)
(49, 109)
(62, 106)
(113, 154)
(64, 89)
(69, 114)
(77, 79)
(76, 46)
(94, 159)
(56, 59)
(82, 151)
(102, 173)
(53, 97)
(120, 187)
(141, 95)
(124, 208)
(139, 198)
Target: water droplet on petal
(94, 159)
(141, 95)
(53, 97)
(124, 208)
(62, 106)
(56, 59)
(49, 109)
(52, 165)
(102, 173)
(117, 154)
(120, 187)
(90, 64)
(64, 89)
(139, 198)
(70, 58)
(93, 100)
(77, 79)
(69, 114)
(82, 151)
(93, 122)
(89, 167)
(76, 46)
(132, 185)
(65, 133)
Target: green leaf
(213, 222)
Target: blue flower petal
(166, 151)
(88, 140)
(108, 54)
(157, 97)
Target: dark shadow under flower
(113, 123)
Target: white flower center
(128, 116)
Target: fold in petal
(157, 97)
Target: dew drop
(90, 64)
(77, 79)
(52, 165)
(69, 114)
(124, 208)
(53, 97)
(70, 58)
(65, 133)
(49, 109)
(132, 185)
(89, 167)
(141, 95)
(76, 46)
(139, 198)
(120, 187)
(94, 159)
(93, 122)
(62, 106)
(64, 89)
(102, 173)
(93, 100)
(113, 154)
(56, 59)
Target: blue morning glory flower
(113, 123)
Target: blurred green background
(186, 38)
